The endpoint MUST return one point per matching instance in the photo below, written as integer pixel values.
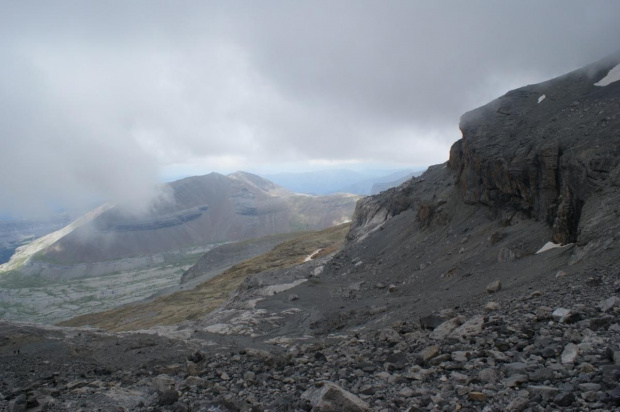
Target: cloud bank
(98, 99)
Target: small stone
(560, 274)
(224, 376)
(609, 303)
(331, 397)
(491, 306)
(472, 327)
(589, 387)
(585, 368)
(515, 368)
(460, 356)
(517, 405)
(429, 353)
(406, 392)
(564, 399)
(392, 288)
(515, 380)
(162, 383)
(19, 404)
(293, 297)
(494, 287)
(569, 354)
(488, 375)
(168, 397)
(76, 384)
(547, 392)
(541, 375)
(442, 331)
(559, 313)
(477, 396)
(506, 255)
(460, 378)
(431, 321)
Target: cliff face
(543, 149)
(548, 151)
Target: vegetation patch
(195, 303)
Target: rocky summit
(489, 283)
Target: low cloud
(98, 98)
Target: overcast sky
(104, 99)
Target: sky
(103, 100)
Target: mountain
(110, 257)
(367, 186)
(336, 181)
(393, 181)
(490, 282)
(199, 210)
(15, 233)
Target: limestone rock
(494, 287)
(470, 328)
(330, 397)
(447, 327)
(429, 353)
(609, 303)
(163, 383)
(570, 354)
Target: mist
(98, 100)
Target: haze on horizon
(105, 99)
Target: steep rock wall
(549, 151)
(547, 156)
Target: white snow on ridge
(541, 98)
(612, 76)
(551, 245)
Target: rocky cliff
(548, 152)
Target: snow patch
(312, 255)
(541, 98)
(549, 246)
(612, 76)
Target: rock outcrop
(545, 158)
(555, 160)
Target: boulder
(569, 354)
(442, 331)
(494, 287)
(429, 353)
(472, 327)
(609, 303)
(163, 383)
(329, 397)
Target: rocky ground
(551, 350)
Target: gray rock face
(544, 159)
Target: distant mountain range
(199, 210)
(341, 180)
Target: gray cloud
(96, 98)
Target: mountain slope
(201, 300)
(198, 211)
(110, 258)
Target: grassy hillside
(197, 302)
